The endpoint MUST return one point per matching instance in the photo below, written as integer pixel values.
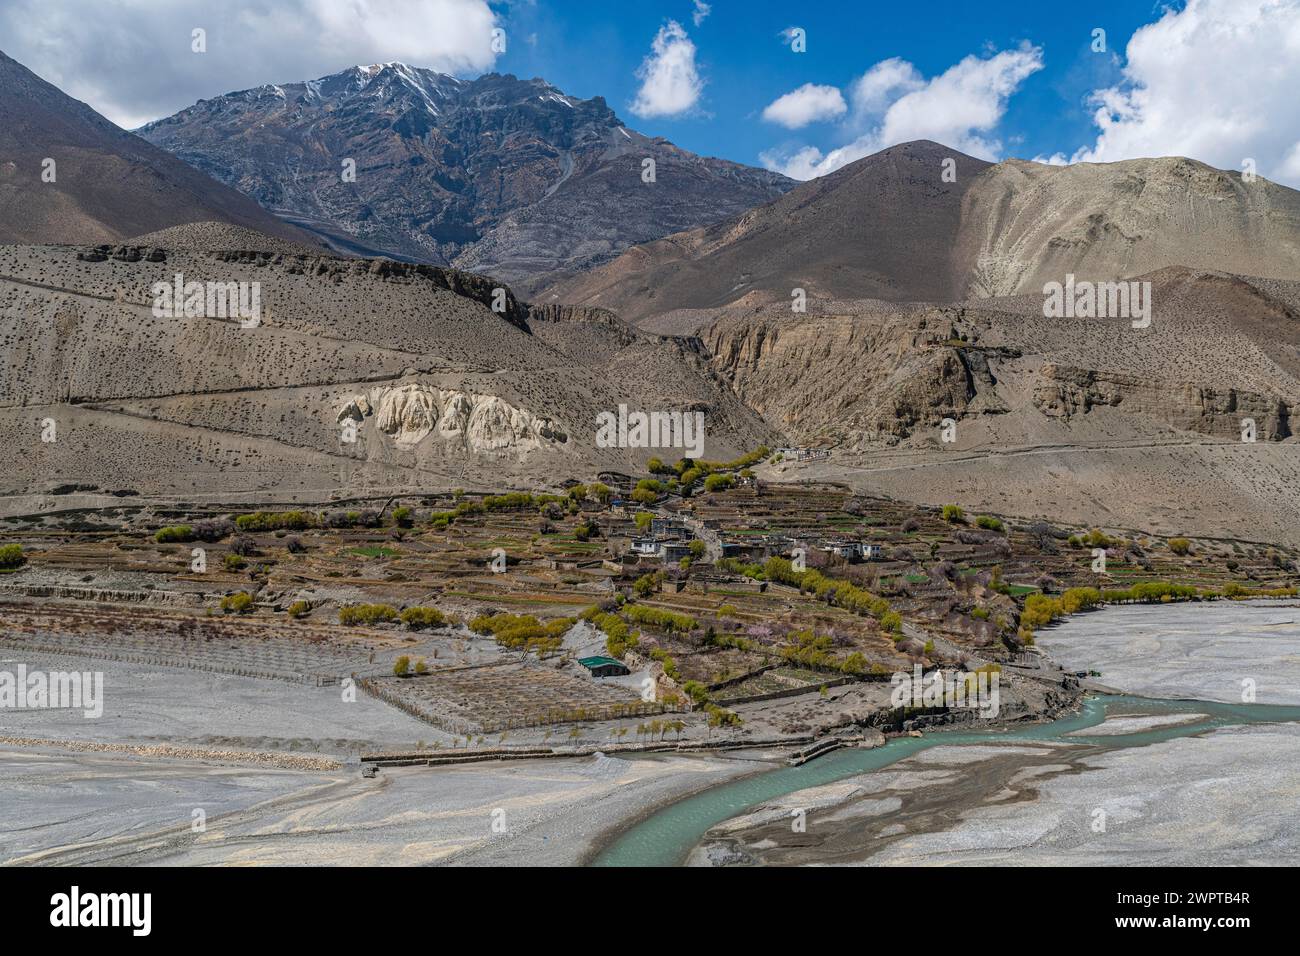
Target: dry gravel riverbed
(1219, 795)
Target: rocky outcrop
(1065, 391)
(850, 379)
(408, 414)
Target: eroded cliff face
(1065, 392)
(849, 379)
(1024, 224)
(411, 413)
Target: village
(626, 613)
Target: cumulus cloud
(1216, 81)
(702, 10)
(885, 82)
(808, 104)
(670, 82)
(893, 103)
(132, 59)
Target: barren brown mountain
(878, 228)
(890, 227)
(105, 184)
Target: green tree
(239, 603)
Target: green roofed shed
(604, 666)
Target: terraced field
(268, 603)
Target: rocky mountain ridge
(496, 175)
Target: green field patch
(375, 551)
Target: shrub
(690, 476)
(243, 545)
(670, 665)
(1079, 599)
(523, 631)
(403, 517)
(238, 603)
(402, 666)
(618, 637)
(696, 691)
(1180, 546)
(276, 521)
(721, 717)
(600, 491)
(11, 556)
(647, 584)
(657, 617)
(177, 533)
(1040, 610)
(367, 614)
(421, 667)
(234, 562)
(953, 514)
(989, 523)
(1096, 538)
(299, 609)
(417, 618)
(718, 482)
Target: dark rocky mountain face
(883, 227)
(499, 175)
(104, 184)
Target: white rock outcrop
(407, 413)
(410, 413)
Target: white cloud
(702, 10)
(1218, 81)
(131, 59)
(893, 103)
(883, 83)
(808, 104)
(670, 82)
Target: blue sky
(586, 48)
(1215, 80)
